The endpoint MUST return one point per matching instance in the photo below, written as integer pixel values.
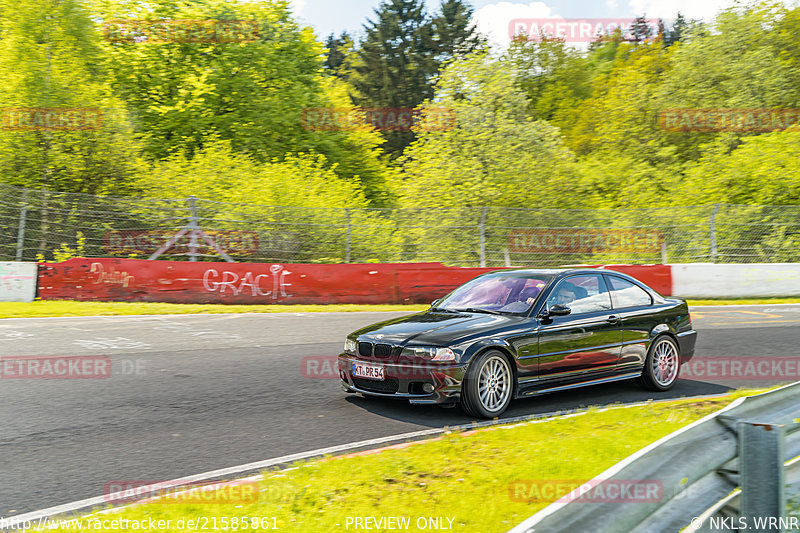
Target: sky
(492, 17)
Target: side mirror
(559, 310)
(435, 302)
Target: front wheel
(662, 365)
(488, 385)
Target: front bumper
(406, 381)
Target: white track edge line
(248, 313)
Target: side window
(583, 294)
(627, 294)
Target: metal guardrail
(730, 506)
(751, 444)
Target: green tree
(740, 63)
(394, 63)
(402, 53)
(555, 77)
(621, 114)
(763, 169)
(300, 181)
(339, 56)
(641, 30)
(735, 64)
(253, 92)
(453, 32)
(677, 32)
(391, 69)
(495, 155)
(52, 63)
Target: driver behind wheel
(528, 295)
(524, 300)
(565, 294)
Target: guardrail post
(23, 213)
(762, 476)
(713, 232)
(483, 237)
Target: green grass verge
(745, 301)
(70, 308)
(473, 478)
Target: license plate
(375, 372)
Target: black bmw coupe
(518, 333)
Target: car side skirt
(578, 384)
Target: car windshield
(512, 293)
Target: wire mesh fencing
(46, 225)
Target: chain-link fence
(48, 225)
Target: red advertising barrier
(138, 280)
(111, 279)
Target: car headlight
(350, 346)
(430, 352)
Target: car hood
(430, 327)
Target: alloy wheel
(665, 362)
(494, 384)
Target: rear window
(627, 294)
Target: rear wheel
(662, 365)
(488, 385)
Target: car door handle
(613, 319)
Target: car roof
(561, 272)
(548, 271)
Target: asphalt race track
(189, 394)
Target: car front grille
(368, 349)
(365, 349)
(383, 350)
(388, 386)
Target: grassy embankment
(482, 480)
